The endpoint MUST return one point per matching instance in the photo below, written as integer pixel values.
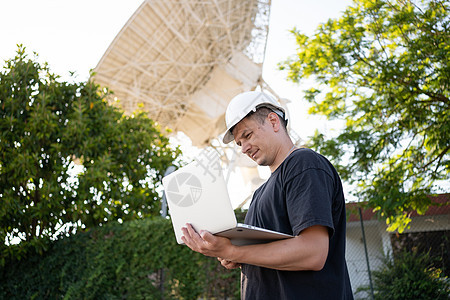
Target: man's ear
(274, 121)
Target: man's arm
(307, 251)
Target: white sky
(73, 35)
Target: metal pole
(162, 278)
(365, 250)
(169, 170)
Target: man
(303, 197)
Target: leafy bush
(134, 260)
(410, 275)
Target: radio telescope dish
(181, 61)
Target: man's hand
(206, 243)
(228, 264)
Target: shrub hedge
(134, 260)
(409, 275)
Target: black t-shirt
(305, 190)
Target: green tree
(383, 67)
(50, 129)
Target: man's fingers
(189, 237)
(194, 240)
(185, 232)
(190, 230)
(207, 236)
(228, 264)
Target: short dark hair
(261, 114)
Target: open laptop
(197, 194)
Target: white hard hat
(241, 105)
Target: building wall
(355, 252)
(378, 242)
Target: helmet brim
(228, 137)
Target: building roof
(441, 206)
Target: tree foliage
(383, 67)
(50, 129)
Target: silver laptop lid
(197, 194)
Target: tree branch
(436, 97)
(439, 157)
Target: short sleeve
(309, 197)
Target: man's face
(255, 139)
